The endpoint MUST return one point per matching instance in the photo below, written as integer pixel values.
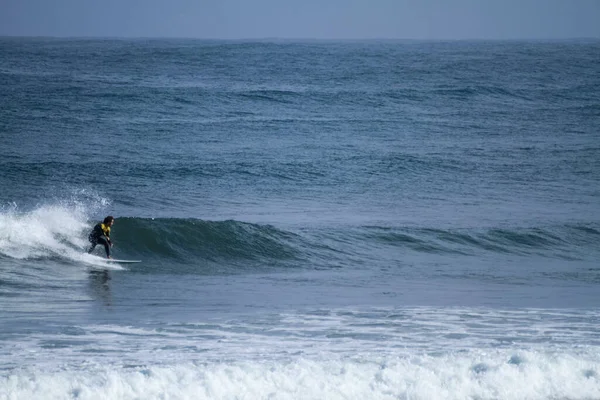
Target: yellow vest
(105, 229)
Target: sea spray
(48, 230)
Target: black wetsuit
(100, 235)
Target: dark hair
(108, 219)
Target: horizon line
(305, 39)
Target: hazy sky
(330, 19)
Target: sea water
(316, 220)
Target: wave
(230, 241)
(563, 241)
(184, 239)
(477, 375)
(193, 239)
(60, 231)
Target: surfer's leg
(92, 247)
(102, 240)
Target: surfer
(101, 235)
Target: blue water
(315, 220)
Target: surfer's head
(109, 220)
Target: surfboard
(112, 260)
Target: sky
(303, 19)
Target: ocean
(315, 219)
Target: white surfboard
(112, 260)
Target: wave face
(186, 239)
(561, 241)
(59, 232)
(191, 240)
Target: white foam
(50, 230)
(478, 374)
